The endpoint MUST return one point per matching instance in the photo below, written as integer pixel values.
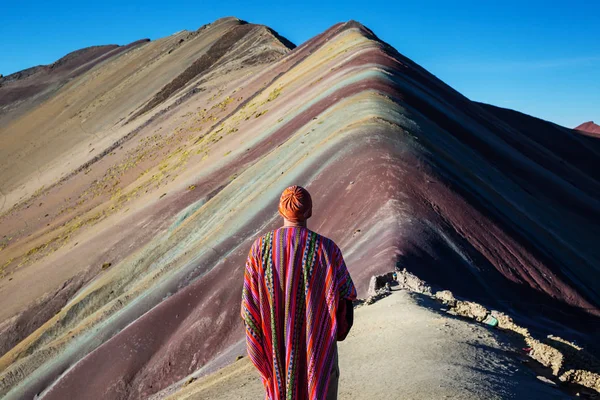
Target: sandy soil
(404, 347)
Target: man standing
(293, 283)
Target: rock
(410, 282)
(378, 282)
(446, 297)
(471, 310)
(380, 286)
(546, 355)
(546, 380)
(381, 293)
(190, 380)
(581, 377)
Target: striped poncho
(293, 280)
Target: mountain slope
(28, 88)
(137, 253)
(589, 127)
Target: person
(295, 285)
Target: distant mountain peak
(589, 127)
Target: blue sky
(537, 57)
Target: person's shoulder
(261, 239)
(257, 244)
(326, 242)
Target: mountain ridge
(589, 127)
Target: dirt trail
(402, 347)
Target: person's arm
(251, 312)
(346, 287)
(347, 293)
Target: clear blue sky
(538, 57)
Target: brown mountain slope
(24, 90)
(589, 127)
(87, 115)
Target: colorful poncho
(293, 280)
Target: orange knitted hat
(295, 204)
